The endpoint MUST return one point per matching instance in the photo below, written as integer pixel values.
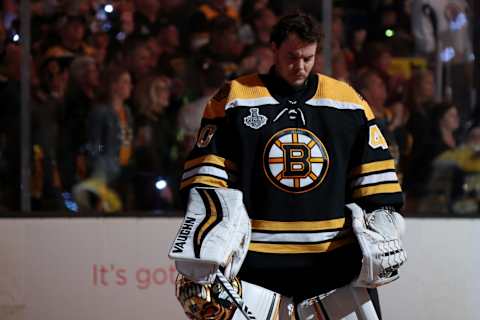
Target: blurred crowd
(118, 89)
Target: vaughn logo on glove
(183, 234)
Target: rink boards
(117, 268)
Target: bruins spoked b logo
(295, 160)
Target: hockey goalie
(293, 196)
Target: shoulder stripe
(245, 91)
(324, 102)
(338, 94)
(254, 102)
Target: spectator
(440, 138)
(378, 57)
(338, 36)
(122, 27)
(373, 89)
(224, 47)
(190, 115)
(340, 68)
(169, 38)
(418, 102)
(208, 11)
(101, 42)
(157, 145)
(138, 58)
(156, 50)
(178, 13)
(72, 31)
(262, 22)
(420, 91)
(249, 7)
(127, 20)
(258, 59)
(80, 95)
(145, 17)
(445, 124)
(46, 119)
(464, 164)
(110, 144)
(169, 41)
(356, 42)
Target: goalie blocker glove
(214, 235)
(379, 235)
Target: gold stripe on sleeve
(373, 167)
(377, 189)
(207, 180)
(210, 159)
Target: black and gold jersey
(298, 155)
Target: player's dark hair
(301, 24)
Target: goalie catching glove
(378, 234)
(214, 234)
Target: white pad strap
(264, 304)
(345, 303)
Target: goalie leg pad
(265, 304)
(215, 233)
(345, 303)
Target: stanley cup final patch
(255, 120)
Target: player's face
(294, 59)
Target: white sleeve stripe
(375, 178)
(296, 237)
(212, 171)
(255, 102)
(334, 104)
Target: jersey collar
(281, 90)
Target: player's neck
(282, 83)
